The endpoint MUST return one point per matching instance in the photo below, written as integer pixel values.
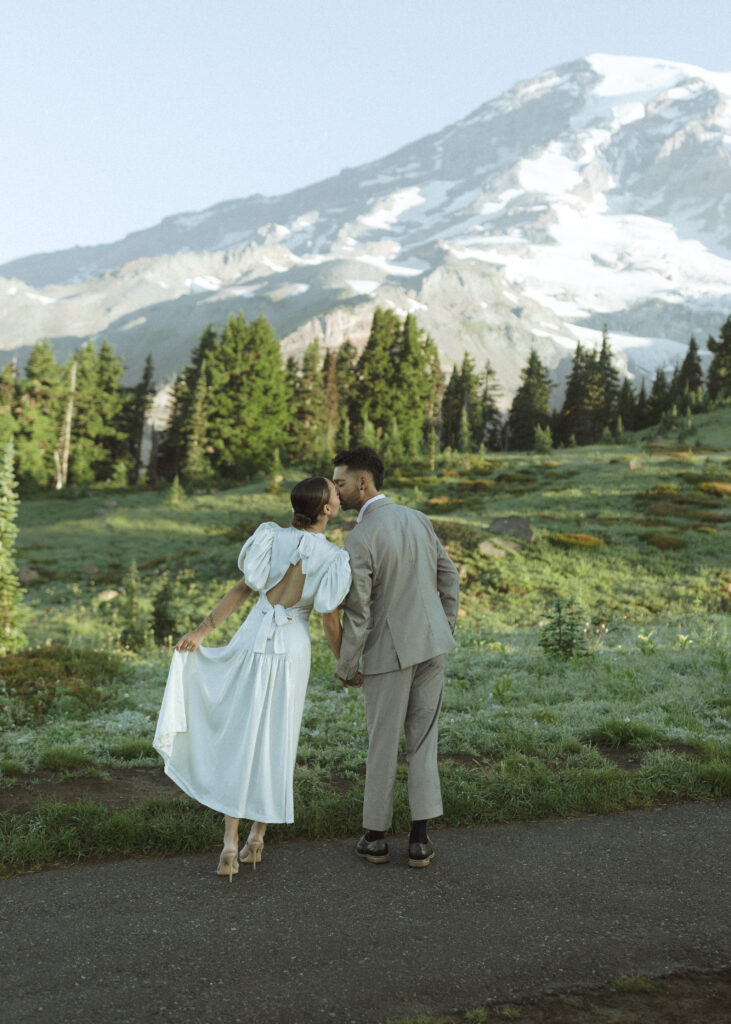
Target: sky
(117, 113)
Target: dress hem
(221, 810)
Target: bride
(230, 716)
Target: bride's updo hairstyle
(308, 498)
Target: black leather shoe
(420, 854)
(376, 850)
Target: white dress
(230, 716)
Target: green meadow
(632, 710)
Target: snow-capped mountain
(598, 192)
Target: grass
(522, 735)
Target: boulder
(27, 575)
(513, 526)
(486, 547)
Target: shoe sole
(374, 860)
(421, 863)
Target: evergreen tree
(659, 400)
(542, 440)
(530, 405)
(173, 445)
(346, 362)
(139, 402)
(412, 384)
(640, 416)
(8, 400)
(719, 372)
(464, 435)
(333, 408)
(451, 410)
(690, 378)
(196, 469)
(626, 405)
(435, 378)
(375, 390)
(310, 416)
(38, 417)
(575, 416)
(492, 422)
(609, 383)
(11, 636)
(247, 398)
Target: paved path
(316, 935)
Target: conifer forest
(239, 409)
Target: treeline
(239, 409)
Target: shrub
(36, 677)
(664, 541)
(720, 488)
(58, 758)
(563, 636)
(132, 749)
(575, 540)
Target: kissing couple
(230, 717)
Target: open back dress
(230, 716)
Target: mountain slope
(598, 192)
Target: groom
(399, 617)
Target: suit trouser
(408, 699)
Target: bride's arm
(333, 630)
(229, 603)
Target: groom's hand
(356, 680)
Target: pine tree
(542, 440)
(196, 469)
(719, 372)
(464, 436)
(172, 446)
(346, 362)
(640, 416)
(659, 400)
(609, 383)
(247, 398)
(492, 421)
(310, 416)
(38, 417)
(11, 635)
(530, 405)
(137, 408)
(333, 408)
(627, 405)
(690, 378)
(451, 410)
(375, 391)
(8, 401)
(433, 401)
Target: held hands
(356, 680)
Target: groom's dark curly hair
(364, 459)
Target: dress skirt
(230, 717)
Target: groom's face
(348, 484)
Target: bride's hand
(189, 642)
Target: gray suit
(399, 618)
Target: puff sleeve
(256, 556)
(335, 583)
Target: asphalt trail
(317, 935)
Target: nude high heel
(227, 865)
(251, 853)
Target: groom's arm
(447, 585)
(356, 609)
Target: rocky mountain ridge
(598, 192)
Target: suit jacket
(402, 605)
